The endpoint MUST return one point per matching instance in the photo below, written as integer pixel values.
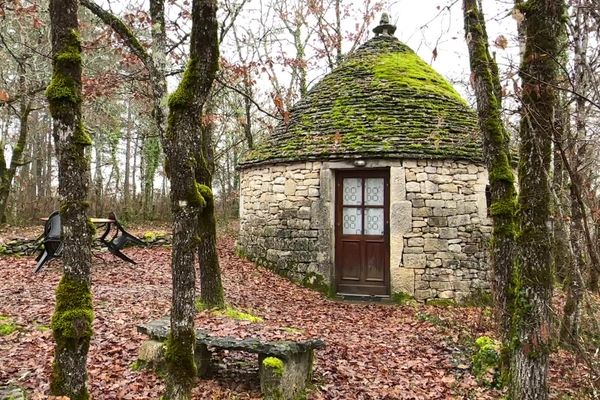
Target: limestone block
(403, 280)
(433, 245)
(411, 176)
(285, 379)
(152, 352)
(439, 179)
(421, 212)
(400, 224)
(444, 212)
(280, 180)
(442, 285)
(435, 203)
(413, 250)
(419, 223)
(448, 233)
(413, 187)
(397, 183)
(423, 294)
(459, 220)
(465, 177)
(448, 294)
(313, 192)
(278, 188)
(417, 241)
(430, 187)
(409, 163)
(449, 187)
(414, 260)
(304, 213)
(418, 202)
(455, 248)
(472, 169)
(437, 221)
(421, 177)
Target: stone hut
(375, 184)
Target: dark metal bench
(114, 238)
(285, 367)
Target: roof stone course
(383, 101)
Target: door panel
(375, 271)
(351, 259)
(362, 232)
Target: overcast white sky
(427, 24)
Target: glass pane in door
(374, 191)
(352, 221)
(374, 221)
(352, 191)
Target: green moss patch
(274, 364)
(238, 315)
(73, 315)
(403, 298)
(409, 70)
(486, 359)
(228, 312)
(441, 302)
(7, 326)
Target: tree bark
(188, 198)
(72, 319)
(211, 287)
(486, 83)
(544, 27)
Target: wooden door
(362, 232)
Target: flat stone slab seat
(285, 367)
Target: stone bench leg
(202, 357)
(285, 379)
(152, 353)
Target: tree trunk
(569, 331)
(484, 73)
(211, 287)
(7, 175)
(188, 198)
(72, 319)
(127, 173)
(544, 26)
(574, 284)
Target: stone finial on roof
(385, 28)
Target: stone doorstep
(287, 382)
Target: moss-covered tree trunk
(544, 27)
(211, 287)
(484, 73)
(188, 198)
(72, 319)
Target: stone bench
(285, 367)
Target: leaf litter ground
(374, 351)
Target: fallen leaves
(374, 351)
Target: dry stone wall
(280, 222)
(438, 224)
(446, 249)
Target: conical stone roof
(383, 101)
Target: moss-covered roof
(383, 101)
